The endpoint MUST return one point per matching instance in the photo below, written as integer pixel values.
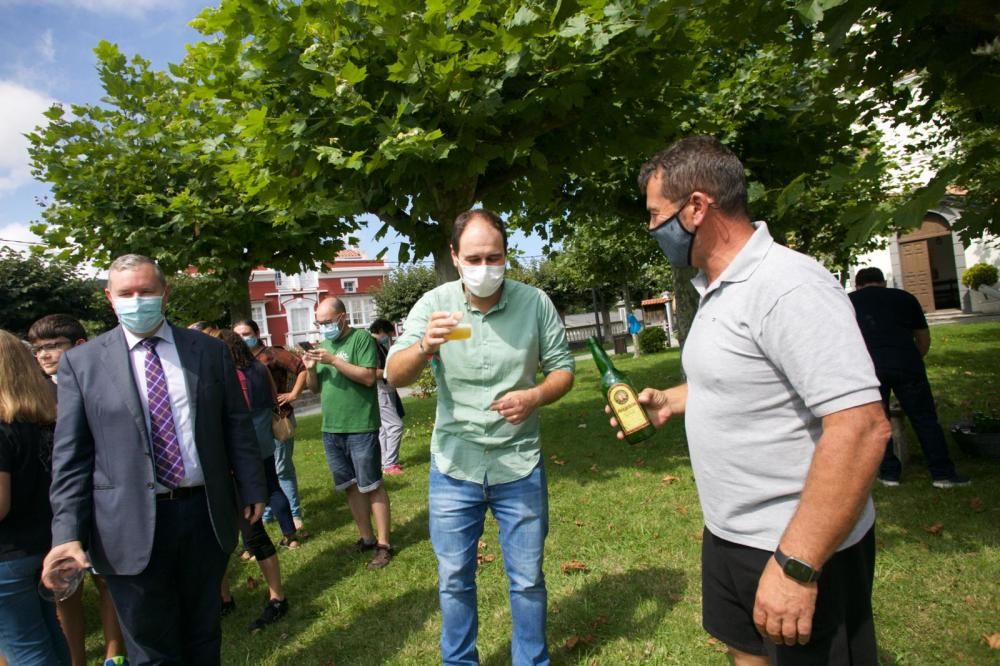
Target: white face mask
(483, 280)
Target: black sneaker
(383, 555)
(362, 546)
(273, 611)
(955, 481)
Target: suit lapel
(117, 360)
(190, 358)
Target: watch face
(798, 570)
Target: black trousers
(914, 394)
(170, 613)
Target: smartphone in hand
(306, 346)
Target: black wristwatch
(796, 568)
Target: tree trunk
(239, 298)
(450, 205)
(444, 267)
(686, 299)
(606, 318)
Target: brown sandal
(290, 541)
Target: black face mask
(674, 240)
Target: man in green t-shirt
(342, 371)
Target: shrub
(652, 339)
(979, 274)
(425, 386)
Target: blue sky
(46, 56)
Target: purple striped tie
(166, 448)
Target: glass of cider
(460, 332)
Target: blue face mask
(384, 340)
(251, 341)
(674, 240)
(330, 331)
(140, 314)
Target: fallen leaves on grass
(977, 504)
(717, 645)
(574, 640)
(639, 462)
(669, 478)
(572, 565)
(482, 557)
(579, 523)
(594, 467)
(582, 425)
(993, 640)
(251, 583)
(598, 621)
(556, 460)
(935, 528)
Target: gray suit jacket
(103, 491)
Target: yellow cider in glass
(460, 332)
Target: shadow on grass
(379, 633)
(607, 608)
(308, 583)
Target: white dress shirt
(180, 397)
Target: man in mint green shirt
(485, 448)
(342, 371)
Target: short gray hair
(700, 163)
(130, 262)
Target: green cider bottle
(621, 397)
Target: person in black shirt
(895, 330)
(29, 632)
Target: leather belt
(181, 493)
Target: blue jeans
(457, 512)
(286, 475)
(29, 631)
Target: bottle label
(630, 414)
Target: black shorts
(843, 627)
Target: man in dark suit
(154, 453)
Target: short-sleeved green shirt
(347, 405)
(519, 336)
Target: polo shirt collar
(743, 264)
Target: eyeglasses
(51, 346)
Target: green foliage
(652, 339)
(143, 172)
(197, 297)
(401, 289)
(979, 274)
(425, 386)
(924, 63)
(552, 276)
(33, 286)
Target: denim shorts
(354, 457)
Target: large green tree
(415, 111)
(139, 173)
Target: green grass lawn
(630, 514)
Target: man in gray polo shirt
(783, 419)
